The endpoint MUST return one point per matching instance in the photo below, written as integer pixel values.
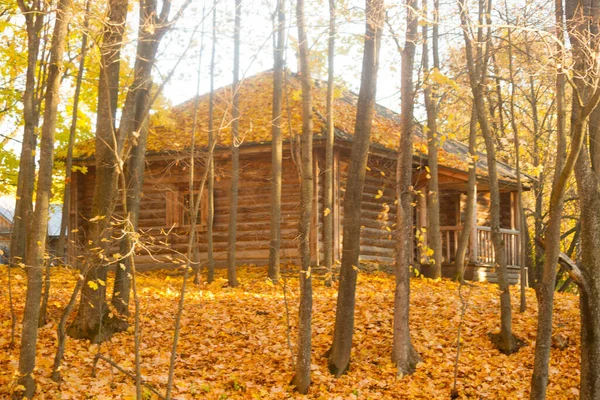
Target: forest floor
(234, 342)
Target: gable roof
(170, 131)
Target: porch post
(473, 244)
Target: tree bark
(211, 145)
(544, 287)
(277, 145)
(235, 152)
(34, 20)
(433, 234)
(470, 217)
(339, 358)
(302, 374)
(36, 241)
(329, 173)
(403, 353)
(505, 341)
(93, 321)
(133, 128)
(66, 209)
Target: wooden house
(164, 219)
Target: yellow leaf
(326, 212)
(93, 285)
(354, 267)
(379, 194)
(101, 282)
(97, 218)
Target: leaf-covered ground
(234, 342)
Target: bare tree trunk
(133, 128)
(36, 243)
(34, 20)
(328, 184)
(341, 348)
(277, 144)
(211, 145)
(505, 341)
(66, 209)
(403, 353)
(520, 209)
(46, 293)
(582, 28)
(235, 152)
(470, 217)
(545, 285)
(302, 374)
(93, 321)
(434, 238)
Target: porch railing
(485, 249)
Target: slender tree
(36, 241)
(66, 209)
(34, 22)
(339, 357)
(235, 151)
(470, 215)
(93, 321)
(582, 19)
(434, 237)
(328, 184)
(505, 341)
(520, 209)
(545, 285)
(277, 144)
(133, 128)
(403, 353)
(302, 376)
(211, 145)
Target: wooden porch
(480, 253)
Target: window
(179, 206)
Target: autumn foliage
(234, 342)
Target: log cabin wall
(163, 211)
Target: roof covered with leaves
(171, 130)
